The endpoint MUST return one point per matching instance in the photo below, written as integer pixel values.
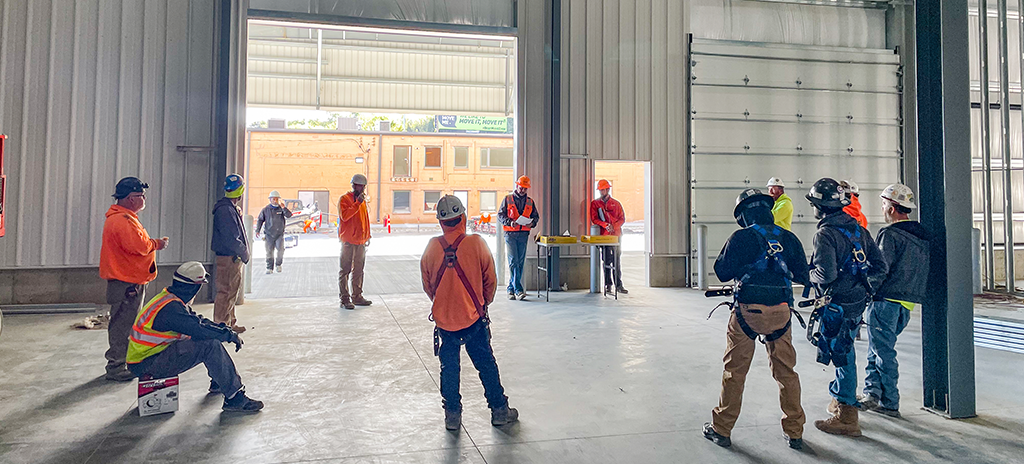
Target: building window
(402, 166)
(461, 157)
(430, 200)
(432, 157)
(488, 202)
(496, 158)
(401, 202)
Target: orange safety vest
(144, 341)
(513, 214)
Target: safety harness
(451, 261)
(832, 334)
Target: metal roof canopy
(357, 68)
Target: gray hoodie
(905, 248)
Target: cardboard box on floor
(158, 396)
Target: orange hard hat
(603, 184)
(523, 182)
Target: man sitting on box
(168, 338)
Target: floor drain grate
(999, 334)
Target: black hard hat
(752, 198)
(128, 186)
(827, 193)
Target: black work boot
(452, 419)
(242, 403)
(795, 443)
(504, 416)
(718, 439)
(622, 290)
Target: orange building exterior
(407, 172)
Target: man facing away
(354, 234)
(231, 246)
(846, 266)
(904, 245)
(518, 215)
(273, 216)
(854, 208)
(782, 210)
(763, 258)
(127, 263)
(607, 213)
(168, 338)
(458, 276)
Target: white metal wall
(795, 112)
(492, 13)
(790, 23)
(94, 90)
(623, 84)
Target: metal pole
(502, 264)
(976, 261)
(380, 172)
(319, 63)
(595, 262)
(247, 220)
(1004, 110)
(986, 146)
(555, 177)
(702, 257)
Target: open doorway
(629, 186)
(419, 115)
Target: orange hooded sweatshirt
(853, 209)
(127, 253)
(354, 223)
(453, 308)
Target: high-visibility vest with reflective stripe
(144, 341)
(513, 213)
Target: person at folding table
(606, 212)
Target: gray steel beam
(1004, 113)
(986, 145)
(555, 177)
(943, 98)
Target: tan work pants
(229, 281)
(353, 258)
(782, 358)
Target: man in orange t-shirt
(354, 233)
(127, 263)
(458, 276)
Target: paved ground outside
(596, 381)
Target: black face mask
(184, 291)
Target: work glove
(234, 338)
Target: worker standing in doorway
(904, 245)
(764, 259)
(458, 276)
(354, 234)
(127, 263)
(169, 338)
(607, 213)
(846, 266)
(854, 208)
(782, 210)
(518, 215)
(231, 245)
(273, 216)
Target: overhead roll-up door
(795, 112)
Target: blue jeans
(886, 320)
(477, 339)
(844, 387)
(516, 245)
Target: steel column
(1004, 112)
(986, 145)
(555, 177)
(943, 96)
(319, 64)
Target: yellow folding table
(604, 241)
(546, 242)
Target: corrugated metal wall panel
(623, 99)
(95, 90)
(779, 22)
(493, 13)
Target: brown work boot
(845, 423)
(833, 407)
(238, 328)
(360, 301)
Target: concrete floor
(596, 381)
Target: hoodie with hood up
(453, 308)
(831, 250)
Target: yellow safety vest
(144, 341)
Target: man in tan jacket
(458, 276)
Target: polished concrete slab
(596, 381)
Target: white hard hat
(899, 194)
(192, 273)
(776, 182)
(852, 187)
(449, 207)
(274, 194)
(359, 179)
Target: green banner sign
(472, 123)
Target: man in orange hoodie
(458, 276)
(354, 233)
(607, 213)
(127, 263)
